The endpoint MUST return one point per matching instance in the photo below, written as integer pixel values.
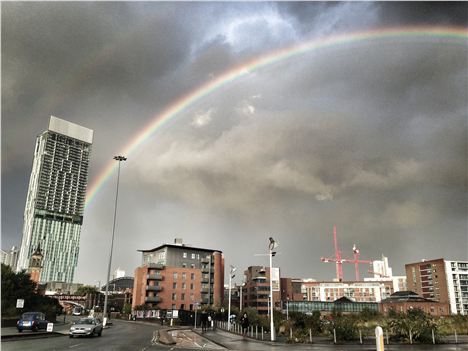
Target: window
(184, 255)
(174, 296)
(184, 265)
(182, 296)
(173, 306)
(174, 285)
(174, 275)
(191, 286)
(198, 256)
(192, 276)
(182, 306)
(192, 297)
(191, 307)
(192, 265)
(184, 286)
(184, 276)
(193, 256)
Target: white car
(88, 326)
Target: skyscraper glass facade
(56, 199)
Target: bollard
(410, 337)
(433, 337)
(360, 336)
(334, 335)
(256, 332)
(310, 335)
(456, 337)
(386, 333)
(379, 344)
(251, 331)
(290, 333)
(262, 332)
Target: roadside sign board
(175, 313)
(50, 327)
(19, 303)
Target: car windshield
(29, 316)
(85, 321)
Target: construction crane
(340, 260)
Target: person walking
(245, 324)
(204, 320)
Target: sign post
(50, 327)
(379, 341)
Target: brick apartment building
(440, 280)
(256, 290)
(177, 276)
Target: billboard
(275, 279)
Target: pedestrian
(210, 322)
(204, 321)
(245, 324)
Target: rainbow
(460, 35)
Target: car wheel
(20, 330)
(100, 333)
(71, 336)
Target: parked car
(32, 321)
(88, 326)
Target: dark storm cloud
(371, 137)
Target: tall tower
(35, 265)
(56, 198)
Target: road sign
(19, 303)
(50, 327)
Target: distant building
(35, 265)
(61, 288)
(120, 284)
(10, 258)
(177, 276)
(440, 280)
(118, 273)
(344, 305)
(256, 290)
(56, 198)
(329, 291)
(403, 301)
(382, 272)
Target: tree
(86, 289)
(20, 286)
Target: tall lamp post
(271, 246)
(119, 159)
(231, 275)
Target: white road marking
(75, 345)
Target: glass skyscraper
(56, 199)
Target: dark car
(88, 326)
(32, 321)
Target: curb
(37, 335)
(213, 341)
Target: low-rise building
(177, 276)
(256, 290)
(402, 301)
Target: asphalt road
(124, 335)
(121, 336)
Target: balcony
(154, 277)
(205, 270)
(156, 265)
(205, 300)
(205, 260)
(205, 280)
(205, 290)
(153, 299)
(153, 288)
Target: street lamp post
(287, 308)
(231, 275)
(119, 159)
(271, 247)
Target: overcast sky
(371, 137)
